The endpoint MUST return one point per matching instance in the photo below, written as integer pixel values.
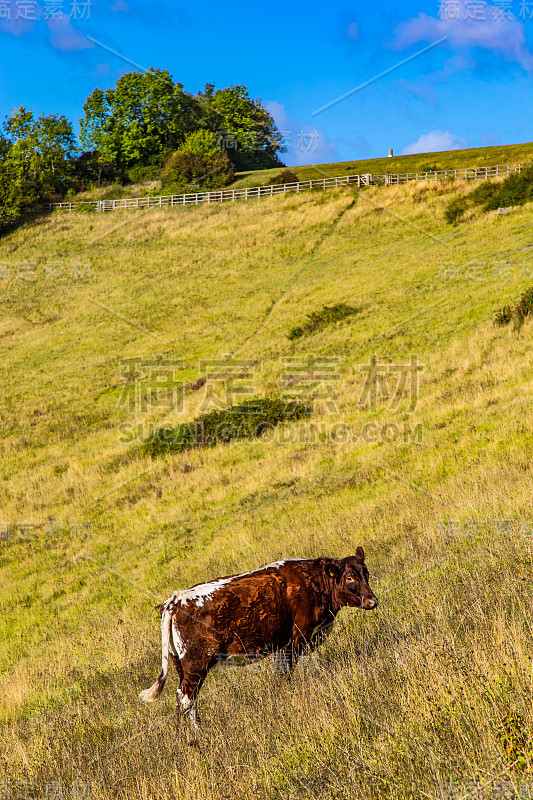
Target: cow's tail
(155, 690)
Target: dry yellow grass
(415, 700)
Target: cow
(282, 608)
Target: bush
(483, 193)
(524, 308)
(285, 176)
(519, 313)
(199, 164)
(503, 316)
(141, 173)
(455, 210)
(317, 320)
(515, 190)
(247, 420)
(427, 167)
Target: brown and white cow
(281, 608)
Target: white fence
(232, 195)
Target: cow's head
(350, 582)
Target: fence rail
(232, 195)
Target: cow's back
(251, 613)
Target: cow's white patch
(176, 645)
(184, 700)
(204, 591)
(189, 707)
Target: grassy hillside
(452, 159)
(423, 697)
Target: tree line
(145, 126)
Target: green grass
(431, 691)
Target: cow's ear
(332, 569)
(360, 553)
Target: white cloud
(435, 141)
(506, 36)
(306, 144)
(66, 38)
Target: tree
(36, 157)
(247, 131)
(15, 195)
(40, 150)
(139, 121)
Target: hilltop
(431, 476)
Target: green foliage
(250, 126)
(285, 176)
(90, 169)
(515, 190)
(36, 158)
(247, 420)
(455, 210)
(518, 313)
(202, 142)
(503, 316)
(316, 320)
(42, 150)
(483, 193)
(40, 153)
(516, 740)
(138, 121)
(15, 194)
(141, 173)
(146, 116)
(429, 167)
(189, 169)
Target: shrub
(524, 308)
(515, 190)
(455, 210)
(483, 193)
(197, 164)
(519, 313)
(427, 167)
(503, 316)
(141, 173)
(247, 420)
(317, 320)
(285, 176)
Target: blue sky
(472, 89)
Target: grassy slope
(451, 159)
(412, 695)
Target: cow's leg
(294, 650)
(320, 636)
(187, 694)
(283, 661)
(179, 670)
